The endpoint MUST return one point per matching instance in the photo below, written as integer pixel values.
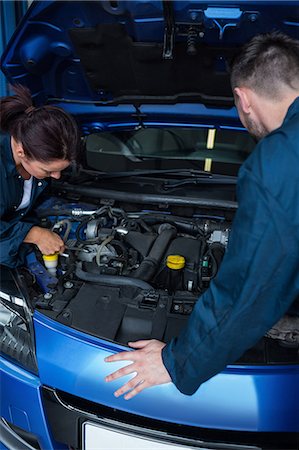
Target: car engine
(125, 272)
(140, 248)
(127, 275)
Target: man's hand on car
(147, 365)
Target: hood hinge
(169, 30)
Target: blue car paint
(180, 112)
(107, 118)
(245, 398)
(144, 20)
(21, 403)
(95, 119)
(45, 280)
(262, 398)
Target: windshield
(209, 149)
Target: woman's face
(40, 169)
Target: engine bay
(146, 267)
(132, 274)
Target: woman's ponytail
(45, 132)
(13, 107)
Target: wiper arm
(178, 172)
(212, 179)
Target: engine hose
(186, 226)
(68, 228)
(54, 212)
(100, 248)
(80, 228)
(144, 226)
(195, 226)
(150, 264)
(116, 280)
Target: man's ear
(242, 99)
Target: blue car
(148, 83)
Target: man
(258, 280)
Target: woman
(43, 142)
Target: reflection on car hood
(137, 51)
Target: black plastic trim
(72, 412)
(16, 438)
(146, 198)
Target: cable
(101, 246)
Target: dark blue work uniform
(14, 225)
(259, 277)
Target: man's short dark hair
(266, 64)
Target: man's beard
(256, 130)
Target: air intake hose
(149, 266)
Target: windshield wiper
(212, 179)
(190, 173)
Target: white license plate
(96, 437)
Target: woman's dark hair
(45, 132)
(267, 63)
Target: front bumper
(16, 438)
(36, 417)
(74, 411)
(24, 424)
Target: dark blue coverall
(14, 225)
(259, 276)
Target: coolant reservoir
(51, 262)
(174, 273)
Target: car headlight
(16, 327)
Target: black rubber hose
(54, 212)
(189, 227)
(150, 264)
(79, 228)
(115, 280)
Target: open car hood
(137, 52)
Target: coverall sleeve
(252, 290)
(12, 235)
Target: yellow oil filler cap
(175, 262)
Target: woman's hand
(47, 241)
